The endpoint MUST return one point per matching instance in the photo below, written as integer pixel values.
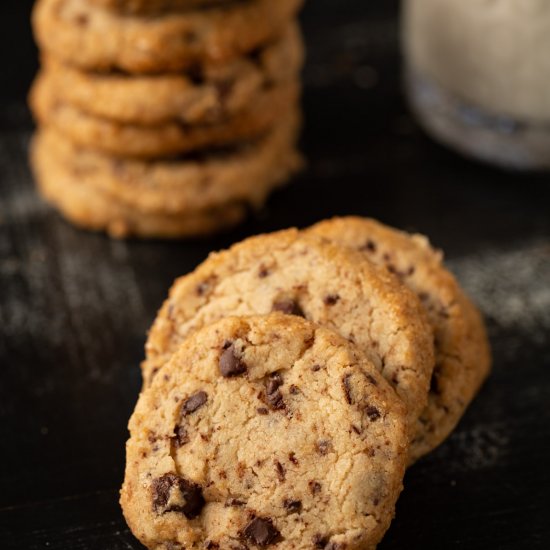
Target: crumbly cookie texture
(146, 7)
(91, 207)
(213, 93)
(463, 358)
(261, 432)
(247, 173)
(96, 39)
(140, 141)
(302, 275)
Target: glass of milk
(478, 76)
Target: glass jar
(478, 76)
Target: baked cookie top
(462, 349)
(302, 275)
(265, 431)
(92, 38)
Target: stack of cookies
(289, 381)
(165, 118)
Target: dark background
(74, 307)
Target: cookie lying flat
(462, 350)
(265, 432)
(246, 174)
(95, 39)
(140, 141)
(144, 7)
(92, 208)
(214, 93)
(290, 272)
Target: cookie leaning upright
(171, 118)
(463, 358)
(265, 431)
(302, 275)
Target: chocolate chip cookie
(462, 350)
(302, 275)
(91, 207)
(247, 173)
(260, 432)
(164, 140)
(145, 7)
(212, 93)
(92, 38)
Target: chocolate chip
(188, 496)
(262, 410)
(190, 36)
(370, 246)
(314, 487)
(373, 413)
(316, 368)
(292, 506)
(323, 446)
(211, 545)
(331, 299)
(424, 296)
(444, 314)
(434, 384)
(224, 88)
(292, 458)
(180, 437)
(195, 402)
(347, 387)
(82, 20)
(261, 531)
(234, 502)
(202, 288)
(294, 390)
(230, 364)
(319, 540)
(280, 470)
(274, 382)
(276, 401)
(263, 272)
(288, 306)
(274, 397)
(161, 490)
(372, 380)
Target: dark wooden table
(74, 307)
